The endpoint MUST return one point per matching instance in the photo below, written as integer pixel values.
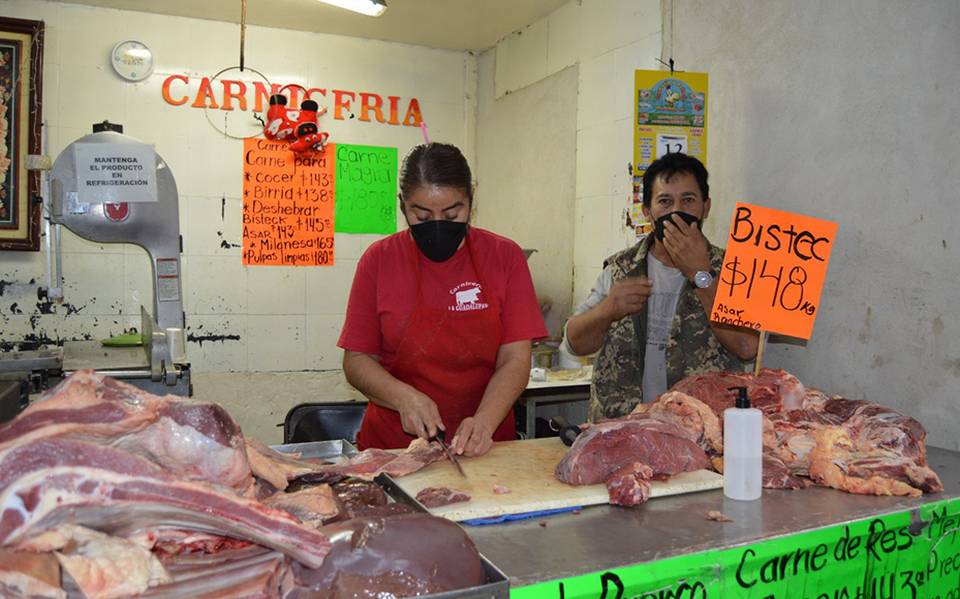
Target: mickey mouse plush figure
(279, 124)
(300, 127)
(309, 136)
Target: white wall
(287, 318)
(606, 40)
(526, 172)
(847, 111)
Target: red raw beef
(604, 448)
(628, 486)
(440, 496)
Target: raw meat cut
(718, 516)
(771, 391)
(251, 573)
(690, 414)
(275, 467)
(604, 448)
(196, 440)
(776, 474)
(46, 482)
(312, 506)
(166, 543)
(500, 490)
(440, 496)
(29, 575)
(628, 486)
(401, 556)
(154, 497)
(105, 567)
(366, 465)
(354, 493)
(851, 445)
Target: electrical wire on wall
(669, 62)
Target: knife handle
(569, 434)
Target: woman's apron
(448, 355)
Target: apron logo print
(467, 297)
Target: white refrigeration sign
(112, 173)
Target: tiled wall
(285, 318)
(607, 40)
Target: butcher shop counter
(812, 543)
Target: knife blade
(449, 454)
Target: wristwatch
(702, 279)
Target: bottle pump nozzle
(743, 401)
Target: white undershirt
(661, 307)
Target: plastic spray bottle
(742, 449)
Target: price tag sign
(773, 270)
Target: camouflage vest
(692, 348)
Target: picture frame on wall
(21, 76)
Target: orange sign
(773, 270)
(288, 205)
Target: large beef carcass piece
(107, 491)
(624, 453)
(810, 436)
(47, 482)
(196, 440)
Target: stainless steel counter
(604, 537)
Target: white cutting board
(526, 468)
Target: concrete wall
(606, 40)
(525, 169)
(847, 111)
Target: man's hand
(686, 245)
(627, 296)
(473, 438)
(419, 415)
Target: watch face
(132, 60)
(702, 279)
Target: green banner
(906, 555)
(366, 189)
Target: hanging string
(672, 30)
(243, 29)
(669, 62)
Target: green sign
(906, 555)
(366, 189)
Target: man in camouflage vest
(648, 312)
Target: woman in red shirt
(440, 318)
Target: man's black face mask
(659, 223)
(438, 240)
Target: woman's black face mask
(438, 240)
(659, 223)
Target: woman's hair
(436, 164)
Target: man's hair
(669, 165)
(435, 164)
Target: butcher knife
(449, 453)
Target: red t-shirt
(384, 290)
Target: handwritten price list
(890, 557)
(773, 270)
(288, 206)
